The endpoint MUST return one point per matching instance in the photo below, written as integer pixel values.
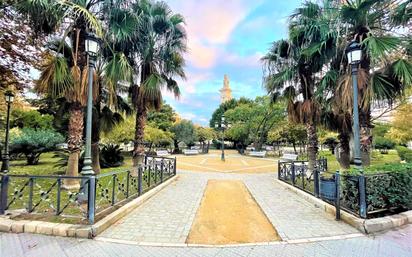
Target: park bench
(162, 153)
(258, 154)
(190, 152)
(288, 157)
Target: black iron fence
(91, 196)
(357, 194)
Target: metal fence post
(362, 196)
(127, 183)
(91, 203)
(31, 187)
(303, 173)
(139, 180)
(279, 170)
(114, 190)
(337, 200)
(293, 173)
(4, 193)
(161, 171)
(174, 167)
(316, 182)
(59, 189)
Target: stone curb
(80, 231)
(367, 226)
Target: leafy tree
(184, 132)
(289, 132)
(31, 119)
(223, 107)
(32, 143)
(205, 135)
(401, 130)
(163, 118)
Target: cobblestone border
(80, 231)
(367, 226)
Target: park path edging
(367, 226)
(80, 231)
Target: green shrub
(388, 186)
(405, 153)
(383, 143)
(32, 143)
(111, 156)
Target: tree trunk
(138, 150)
(365, 136)
(344, 159)
(312, 145)
(74, 141)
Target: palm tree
(293, 66)
(384, 73)
(159, 48)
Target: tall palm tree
(293, 66)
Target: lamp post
(222, 126)
(5, 164)
(354, 54)
(6, 157)
(92, 49)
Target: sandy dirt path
(228, 214)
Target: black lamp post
(6, 157)
(92, 49)
(354, 54)
(223, 126)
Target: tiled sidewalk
(393, 243)
(168, 216)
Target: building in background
(226, 91)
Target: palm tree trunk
(312, 145)
(138, 150)
(74, 141)
(366, 136)
(344, 159)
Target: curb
(79, 231)
(367, 226)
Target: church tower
(225, 92)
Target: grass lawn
(45, 191)
(377, 159)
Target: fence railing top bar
(117, 172)
(162, 157)
(43, 176)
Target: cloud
(245, 61)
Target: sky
(226, 37)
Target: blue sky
(226, 37)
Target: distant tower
(225, 92)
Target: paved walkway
(391, 244)
(168, 216)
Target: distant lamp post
(6, 157)
(354, 54)
(222, 126)
(92, 49)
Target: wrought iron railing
(95, 195)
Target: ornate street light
(6, 157)
(92, 49)
(222, 126)
(354, 55)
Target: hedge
(405, 153)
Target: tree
(31, 119)
(205, 135)
(223, 107)
(32, 143)
(401, 130)
(184, 132)
(289, 132)
(293, 65)
(64, 69)
(163, 118)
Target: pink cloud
(209, 26)
(245, 61)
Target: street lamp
(222, 126)
(6, 158)
(92, 49)
(354, 54)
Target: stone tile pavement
(168, 216)
(397, 243)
